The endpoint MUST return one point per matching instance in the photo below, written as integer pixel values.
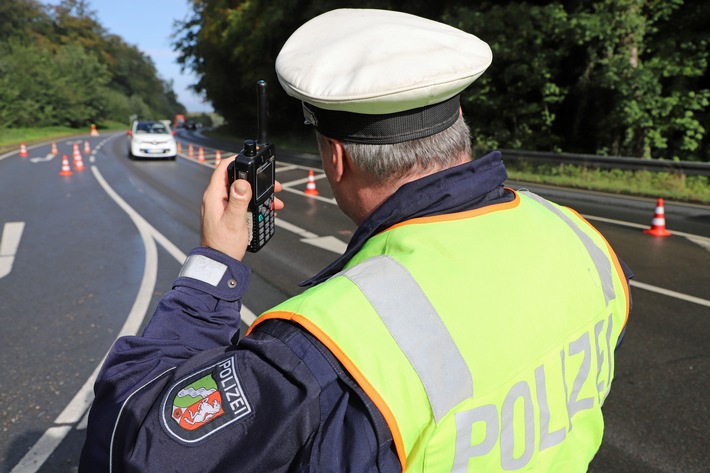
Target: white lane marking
(283, 168)
(616, 222)
(304, 180)
(248, 317)
(41, 450)
(83, 398)
(9, 242)
(329, 243)
(298, 166)
(697, 239)
(700, 241)
(168, 246)
(29, 148)
(669, 293)
(84, 421)
(316, 197)
(289, 186)
(49, 157)
(17, 151)
(294, 229)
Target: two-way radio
(256, 163)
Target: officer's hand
(224, 213)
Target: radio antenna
(261, 112)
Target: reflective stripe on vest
(600, 259)
(393, 291)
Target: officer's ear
(337, 158)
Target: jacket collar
(465, 187)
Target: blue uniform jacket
(185, 396)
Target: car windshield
(152, 127)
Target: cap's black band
(383, 129)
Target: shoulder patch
(204, 402)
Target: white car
(151, 139)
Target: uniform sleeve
(200, 313)
(185, 397)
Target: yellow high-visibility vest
(486, 338)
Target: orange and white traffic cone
(23, 150)
(54, 148)
(179, 147)
(311, 186)
(190, 153)
(94, 131)
(66, 170)
(78, 162)
(200, 154)
(658, 225)
(217, 158)
(87, 150)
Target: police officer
(467, 327)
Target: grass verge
(11, 138)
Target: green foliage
(59, 67)
(515, 102)
(650, 93)
(66, 87)
(622, 77)
(19, 18)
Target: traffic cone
(311, 186)
(66, 170)
(179, 147)
(658, 225)
(54, 148)
(78, 162)
(94, 131)
(87, 150)
(217, 158)
(190, 153)
(200, 154)
(23, 150)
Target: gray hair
(393, 161)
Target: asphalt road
(85, 258)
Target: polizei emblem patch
(205, 402)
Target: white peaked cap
(379, 62)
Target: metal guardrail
(610, 162)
